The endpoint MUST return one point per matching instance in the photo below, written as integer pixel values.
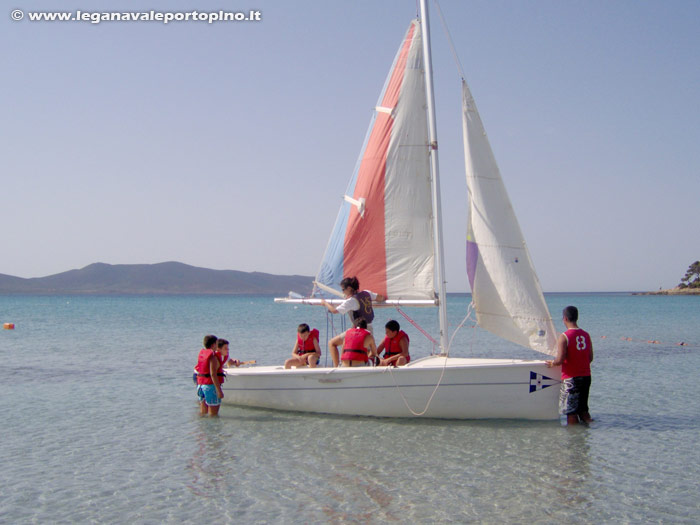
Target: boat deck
(436, 362)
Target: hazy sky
(230, 145)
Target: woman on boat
(357, 304)
(395, 346)
(306, 351)
(358, 346)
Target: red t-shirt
(578, 354)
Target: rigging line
(331, 319)
(470, 309)
(430, 399)
(417, 326)
(328, 325)
(449, 39)
(444, 366)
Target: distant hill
(161, 278)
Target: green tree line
(691, 279)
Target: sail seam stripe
(481, 312)
(510, 246)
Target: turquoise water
(100, 424)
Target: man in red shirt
(574, 354)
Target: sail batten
(506, 293)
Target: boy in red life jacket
(306, 350)
(208, 382)
(358, 346)
(574, 354)
(395, 346)
(223, 351)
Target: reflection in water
(354, 494)
(212, 462)
(571, 467)
(367, 470)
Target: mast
(433, 147)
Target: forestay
(506, 293)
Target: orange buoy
(9, 326)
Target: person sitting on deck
(306, 351)
(358, 346)
(395, 346)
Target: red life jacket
(392, 346)
(355, 340)
(222, 362)
(203, 375)
(307, 346)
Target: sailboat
(389, 234)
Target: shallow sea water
(101, 425)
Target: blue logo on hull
(538, 382)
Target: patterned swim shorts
(207, 394)
(573, 398)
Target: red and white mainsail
(383, 234)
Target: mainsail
(506, 293)
(383, 233)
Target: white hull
(466, 389)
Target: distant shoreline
(176, 279)
(672, 291)
(168, 278)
